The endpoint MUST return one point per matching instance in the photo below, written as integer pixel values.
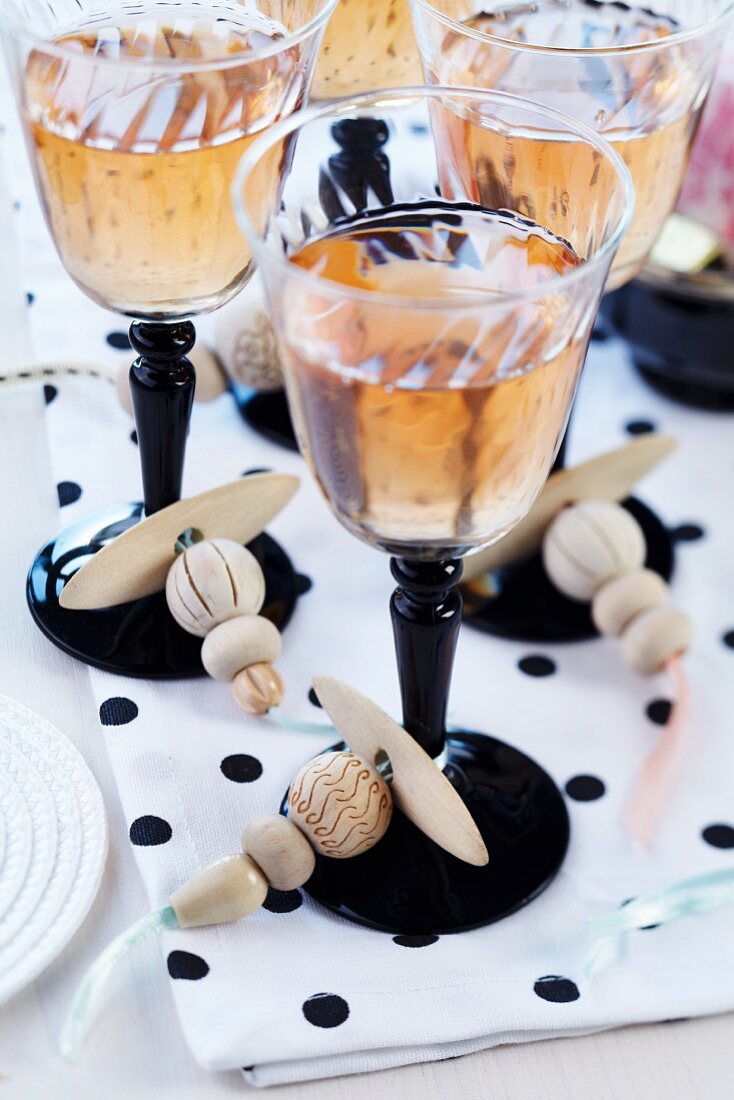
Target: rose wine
(368, 44)
(135, 156)
(431, 405)
(647, 104)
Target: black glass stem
(426, 616)
(162, 383)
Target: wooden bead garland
(214, 590)
(594, 552)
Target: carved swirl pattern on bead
(341, 803)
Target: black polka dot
(658, 711)
(16, 205)
(120, 341)
(313, 697)
(304, 584)
(50, 393)
(645, 927)
(414, 941)
(134, 437)
(557, 990)
(149, 831)
(283, 901)
(118, 711)
(30, 297)
(325, 1010)
(585, 788)
(418, 128)
(241, 768)
(183, 966)
(536, 665)
(639, 427)
(257, 470)
(719, 836)
(728, 639)
(69, 492)
(687, 532)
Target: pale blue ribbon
(691, 897)
(89, 998)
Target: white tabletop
(137, 1049)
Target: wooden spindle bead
(620, 600)
(258, 688)
(654, 637)
(589, 544)
(341, 803)
(230, 889)
(281, 851)
(211, 582)
(239, 643)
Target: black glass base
(407, 884)
(267, 414)
(138, 639)
(521, 604)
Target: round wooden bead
(654, 637)
(230, 889)
(258, 689)
(281, 851)
(124, 395)
(210, 378)
(211, 582)
(239, 643)
(341, 803)
(590, 543)
(620, 600)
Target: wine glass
(431, 350)
(638, 74)
(135, 116)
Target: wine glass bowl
(368, 44)
(430, 389)
(431, 348)
(637, 73)
(136, 120)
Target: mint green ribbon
(691, 897)
(87, 1003)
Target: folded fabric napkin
(295, 992)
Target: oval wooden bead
(341, 803)
(590, 543)
(210, 379)
(239, 643)
(211, 582)
(654, 637)
(620, 600)
(124, 396)
(281, 851)
(258, 688)
(230, 889)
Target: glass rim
(671, 40)
(338, 107)
(11, 27)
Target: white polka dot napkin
(295, 992)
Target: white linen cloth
(240, 990)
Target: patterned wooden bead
(590, 543)
(258, 689)
(281, 851)
(211, 582)
(341, 803)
